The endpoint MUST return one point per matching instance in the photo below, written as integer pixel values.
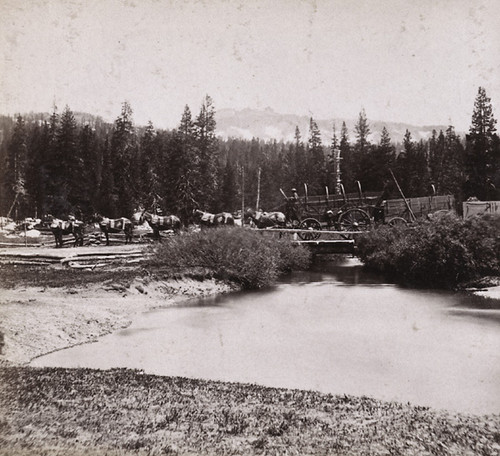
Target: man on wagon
(293, 210)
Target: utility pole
(257, 205)
(242, 193)
(336, 163)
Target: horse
(266, 219)
(61, 227)
(211, 220)
(158, 223)
(118, 225)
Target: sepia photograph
(249, 227)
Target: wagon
(340, 212)
(351, 212)
(404, 211)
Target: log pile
(76, 260)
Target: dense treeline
(60, 165)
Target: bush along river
(336, 329)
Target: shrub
(441, 252)
(236, 254)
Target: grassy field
(125, 412)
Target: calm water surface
(335, 329)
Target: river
(336, 329)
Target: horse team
(157, 223)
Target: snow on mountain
(269, 125)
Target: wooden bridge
(332, 242)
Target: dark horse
(158, 222)
(266, 219)
(118, 225)
(208, 219)
(72, 226)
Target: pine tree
(148, 190)
(316, 160)
(301, 174)
(412, 168)
(482, 155)
(206, 146)
(362, 131)
(16, 166)
(436, 154)
(123, 150)
(182, 174)
(451, 175)
(37, 175)
(381, 159)
(333, 162)
(106, 197)
(69, 166)
(89, 170)
(362, 151)
(348, 160)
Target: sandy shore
(36, 320)
(39, 320)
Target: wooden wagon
(356, 212)
(340, 212)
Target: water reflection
(336, 329)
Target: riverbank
(37, 320)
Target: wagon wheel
(397, 221)
(354, 220)
(310, 224)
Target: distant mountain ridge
(268, 125)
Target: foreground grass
(82, 411)
(443, 252)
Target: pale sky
(418, 62)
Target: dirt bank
(38, 320)
(46, 308)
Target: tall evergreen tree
(37, 175)
(362, 151)
(301, 174)
(411, 166)
(436, 154)
(16, 165)
(123, 149)
(333, 167)
(380, 159)
(348, 164)
(182, 173)
(316, 160)
(89, 168)
(207, 149)
(69, 166)
(451, 176)
(362, 129)
(482, 155)
(148, 190)
(107, 198)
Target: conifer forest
(72, 163)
